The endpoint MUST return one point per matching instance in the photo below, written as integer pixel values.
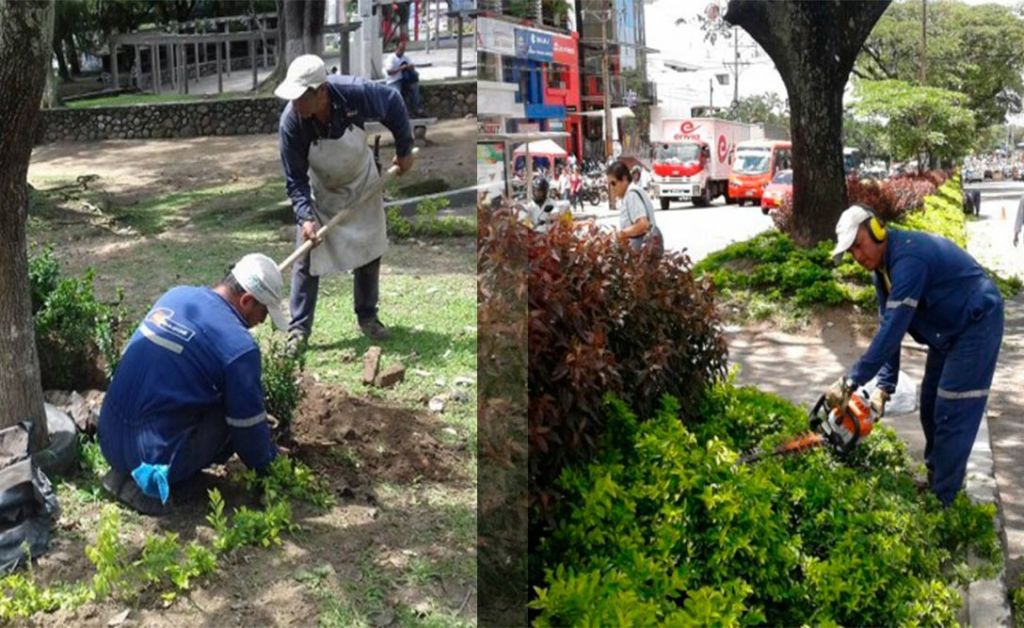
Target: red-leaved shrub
(604, 318)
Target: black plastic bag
(28, 505)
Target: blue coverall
(187, 392)
(932, 288)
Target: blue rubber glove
(152, 479)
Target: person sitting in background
(188, 391)
(402, 76)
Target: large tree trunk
(814, 46)
(300, 31)
(26, 31)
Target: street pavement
(991, 243)
(697, 230)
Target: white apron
(339, 171)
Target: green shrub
(604, 317)
(665, 527)
(282, 381)
(78, 338)
(770, 264)
(428, 223)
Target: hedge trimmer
(842, 430)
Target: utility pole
(605, 80)
(924, 41)
(711, 93)
(735, 66)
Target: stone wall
(243, 116)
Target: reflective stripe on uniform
(967, 394)
(151, 335)
(251, 421)
(907, 301)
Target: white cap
(846, 229)
(305, 71)
(258, 275)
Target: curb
(987, 601)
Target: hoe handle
(371, 191)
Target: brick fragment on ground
(390, 377)
(371, 365)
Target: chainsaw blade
(798, 444)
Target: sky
(685, 43)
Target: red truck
(693, 158)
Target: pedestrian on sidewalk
(576, 188)
(636, 214)
(930, 287)
(328, 168)
(188, 392)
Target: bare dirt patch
(135, 170)
(353, 444)
(372, 440)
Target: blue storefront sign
(534, 45)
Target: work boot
(296, 343)
(374, 329)
(126, 491)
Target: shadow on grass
(427, 345)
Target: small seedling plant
(166, 566)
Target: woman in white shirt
(636, 213)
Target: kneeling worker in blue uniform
(930, 287)
(188, 392)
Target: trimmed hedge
(665, 527)
(602, 318)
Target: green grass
(149, 99)
(427, 298)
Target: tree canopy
(973, 50)
(920, 121)
(768, 108)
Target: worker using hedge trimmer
(930, 287)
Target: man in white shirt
(402, 76)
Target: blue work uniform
(932, 288)
(353, 101)
(187, 392)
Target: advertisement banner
(564, 50)
(495, 36)
(534, 45)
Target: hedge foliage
(771, 266)
(665, 527)
(603, 317)
(78, 337)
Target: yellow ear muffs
(876, 229)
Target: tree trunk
(26, 34)
(300, 31)
(62, 64)
(814, 46)
(76, 67)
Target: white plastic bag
(903, 400)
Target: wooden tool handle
(377, 187)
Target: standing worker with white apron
(328, 168)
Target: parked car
(781, 184)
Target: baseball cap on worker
(846, 229)
(305, 71)
(258, 275)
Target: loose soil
(353, 443)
